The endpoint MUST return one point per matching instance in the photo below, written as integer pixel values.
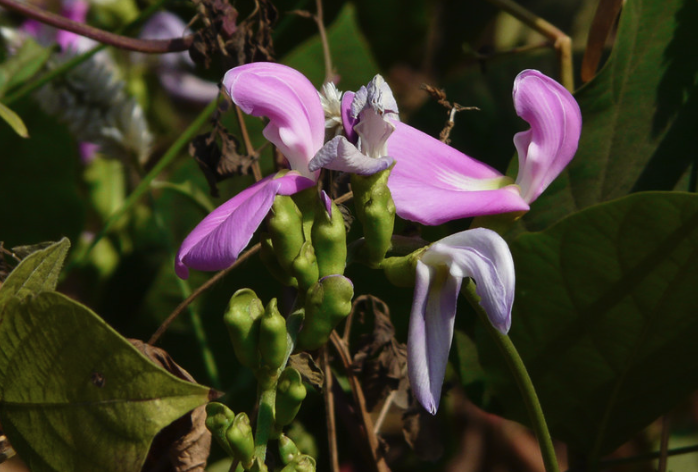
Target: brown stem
(149, 46)
(329, 410)
(561, 42)
(606, 14)
(329, 74)
(359, 399)
(202, 288)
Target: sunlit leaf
(75, 395)
(13, 119)
(605, 318)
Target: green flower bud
(241, 441)
(327, 303)
(305, 201)
(273, 341)
(376, 211)
(329, 238)
(268, 257)
(305, 267)
(402, 271)
(287, 449)
(302, 464)
(242, 319)
(290, 393)
(285, 226)
(218, 418)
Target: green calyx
(401, 271)
(273, 341)
(288, 451)
(218, 419)
(329, 240)
(376, 211)
(241, 440)
(290, 393)
(302, 464)
(242, 319)
(285, 226)
(327, 303)
(305, 267)
(268, 257)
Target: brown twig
(201, 289)
(606, 13)
(561, 42)
(329, 410)
(360, 401)
(149, 46)
(249, 149)
(317, 18)
(440, 96)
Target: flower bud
(327, 303)
(285, 226)
(376, 211)
(272, 338)
(218, 418)
(302, 464)
(305, 267)
(242, 319)
(268, 257)
(287, 449)
(290, 393)
(329, 238)
(240, 439)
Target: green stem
(518, 370)
(144, 184)
(77, 60)
(265, 421)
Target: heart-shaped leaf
(605, 319)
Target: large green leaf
(351, 55)
(640, 113)
(605, 318)
(75, 395)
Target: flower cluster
(427, 181)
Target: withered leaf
(184, 445)
(308, 369)
(381, 359)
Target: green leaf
(640, 113)
(37, 272)
(14, 121)
(351, 56)
(605, 319)
(76, 395)
(23, 65)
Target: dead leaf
(423, 433)
(308, 369)
(184, 445)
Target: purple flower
(433, 183)
(296, 126)
(478, 253)
(173, 68)
(75, 10)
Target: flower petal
(482, 254)
(430, 333)
(339, 154)
(347, 120)
(284, 95)
(188, 87)
(556, 124)
(217, 241)
(432, 182)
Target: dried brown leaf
(423, 433)
(605, 18)
(184, 445)
(308, 369)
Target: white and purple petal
(341, 155)
(218, 239)
(556, 124)
(433, 183)
(285, 96)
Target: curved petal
(188, 87)
(432, 182)
(556, 124)
(347, 119)
(166, 25)
(482, 254)
(285, 96)
(339, 154)
(217, 241)
(430, 333)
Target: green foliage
(605, 319)
(75, 394)
(23, 65)
(640, 113)
(14, 121)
